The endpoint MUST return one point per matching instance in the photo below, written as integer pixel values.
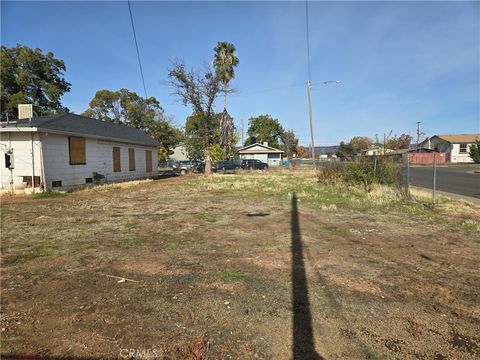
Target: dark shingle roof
(88, 127)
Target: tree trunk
(225, 97)
(208, 163)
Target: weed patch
(136, 240)
(49, 195)
(232, 274)
(28, 255)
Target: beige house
(456, 147)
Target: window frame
(77, 162)
(148, 164)
(116, 149)
(464, 151)
(131, 159)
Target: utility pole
(312, 144)
(419, 133)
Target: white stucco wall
(21, 144)
(452, 150)
(179, 153)
(99, 158)
(457, 157)
(54, 149)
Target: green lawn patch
(49, 195)
(232, 274)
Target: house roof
(266, 149)
(72, 124)
(460, 138)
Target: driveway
(454, 179)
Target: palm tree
(225, 61)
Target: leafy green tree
(127, 108)
(217, 153)
(199, 91)
(289, 143)
(399, 142)
(345, 151)
(264, 128)
(359, 143)
(195, 134)
(475, 151)
(28, 76)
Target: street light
(310, 111)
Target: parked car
(200, 167)
(226, 165)
(184, 167)
(248, 164)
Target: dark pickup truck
(248, 164)
(226, 165)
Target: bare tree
(198, 91)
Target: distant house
(262, 152)
(179, 153)
(456, 147)
(377, 150)
(323, 152)
(68, 150)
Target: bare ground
(214, 270)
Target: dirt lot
(214, 261)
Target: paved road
(457, 180)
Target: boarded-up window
(117, 167)
(76, 147)
(148, 159)
(131, 159)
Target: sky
(398, 62)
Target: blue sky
(399, 62)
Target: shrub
(388, 172)
(362, 172)
(475, 151)
(330, 173)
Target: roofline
(261, 151)
(265, 146)
(39, 129)
(476, 136)
(15, 128)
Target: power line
(136, 45)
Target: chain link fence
(390, 170)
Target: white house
(456, 147)
(179, 153)
(67, 150)
(262, 152)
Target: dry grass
(215, 283)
